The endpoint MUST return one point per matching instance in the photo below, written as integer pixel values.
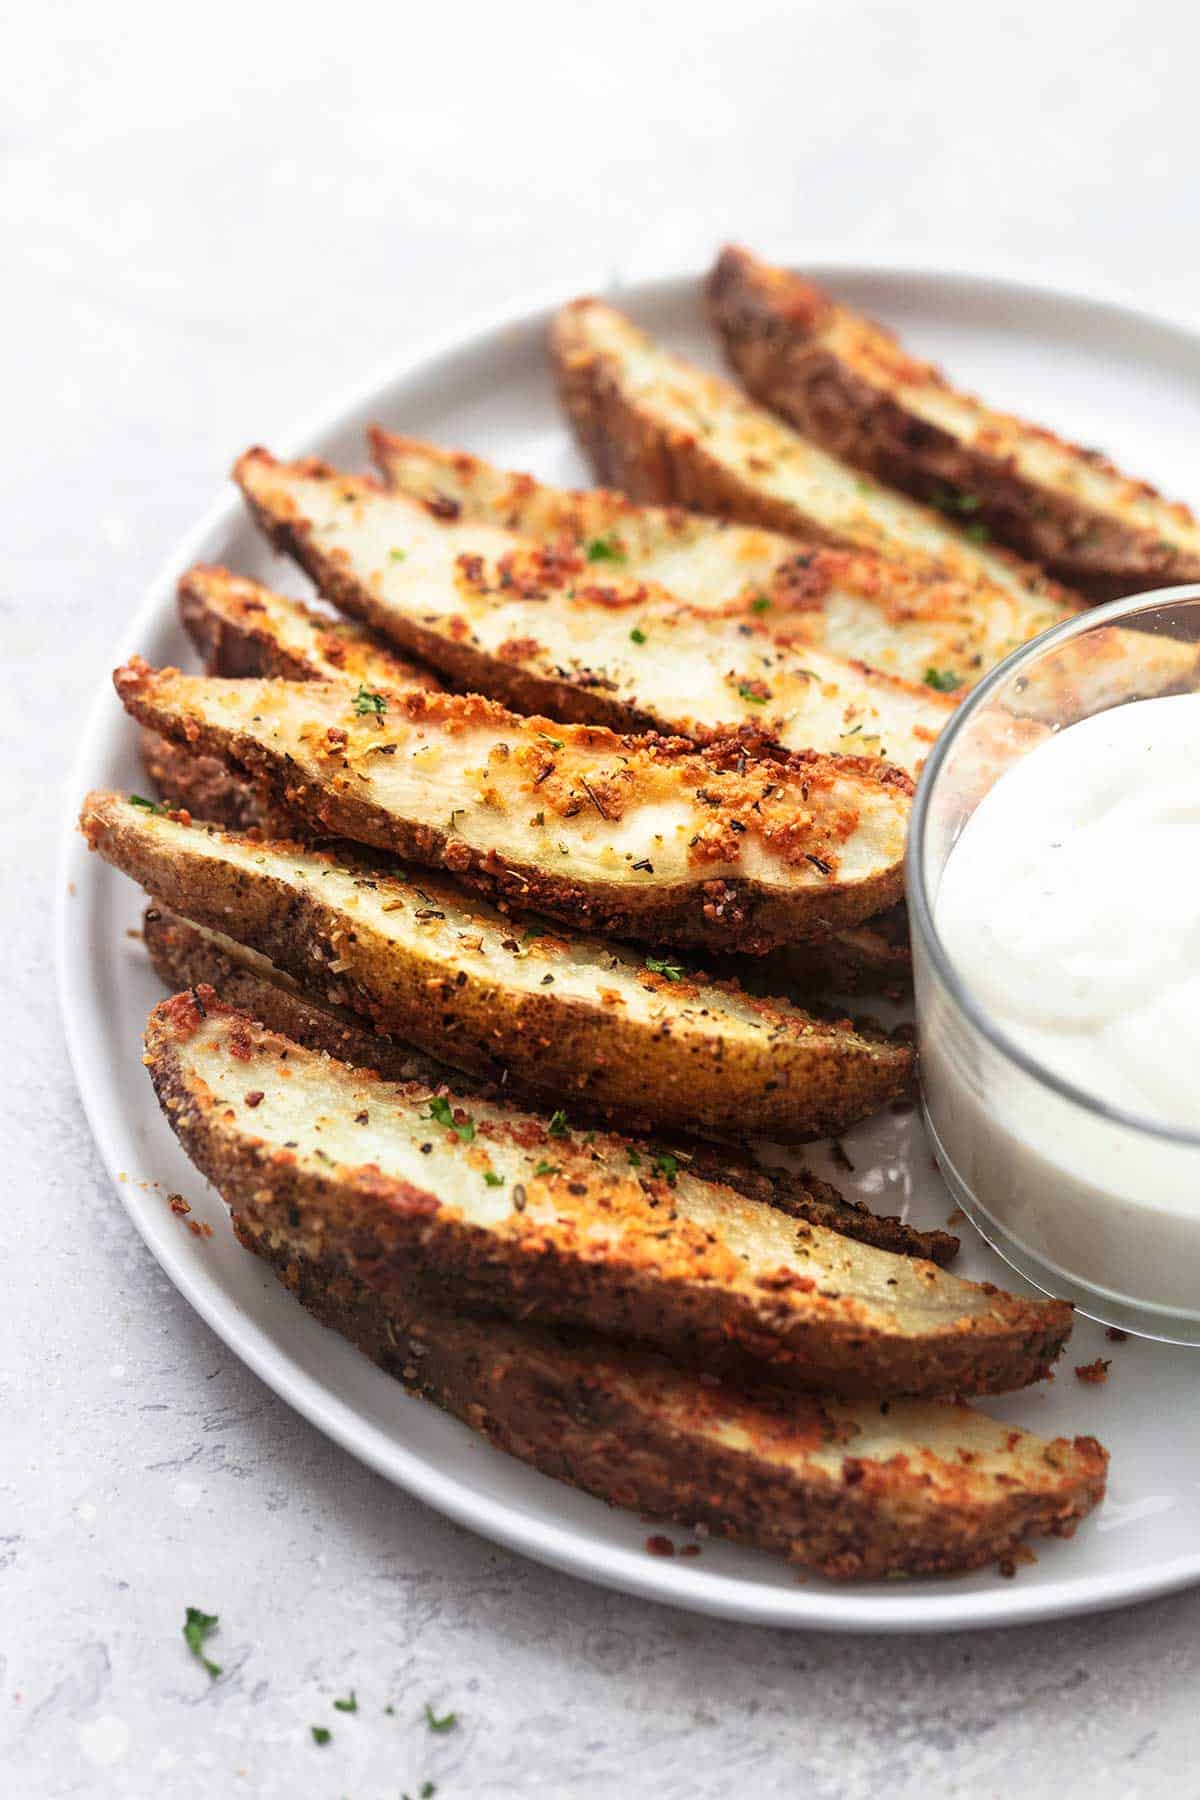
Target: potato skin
(631, 1429)
(770, 322)
(382, 1230)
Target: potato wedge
(241, 627)
(186, 955)
(544, 630)
(925, 627)
(641, 837)
(851, 1489)
(848, 385)
(637, 1037)
(499, 1209)
(665, 431)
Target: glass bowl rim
(920, 909)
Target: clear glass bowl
(1091, 1203)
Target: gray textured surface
(208, 234)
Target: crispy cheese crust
(187, 956)
(544, 629)
(853, 1490)
(391, 1183)
(641, 1038)
(644, 837)
(847, 384)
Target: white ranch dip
(1070, 910)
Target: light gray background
(215, 221)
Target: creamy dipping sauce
(1070, 910)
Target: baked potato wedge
(848, 385)
(186, 955)
(853, 1489)
(925, 627)
(241, 627)
(640, 837)
(544, 630)
(637, 1037)
(497, 1209)
(665, 431)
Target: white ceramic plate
(1105, 375)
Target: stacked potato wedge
(506, 901)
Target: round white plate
(1104, 374)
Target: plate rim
(560, 1546)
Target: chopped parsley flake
(150, 806)
(447, 1722)
(397, 555)
(554, 743)
(667, 1166)
(635, 1160)
(638, 636)
(943, 680)
(761, 603)
(321, 1734)
(605, 549)
(662, 965)
(426, 1791)
(546, 1168)
(492, 1179)
(197, 1628)
(349, 1704)
(558, 1123)
(442, 1112)
(365, 703)
(746, 692)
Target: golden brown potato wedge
(926, 627)
(186, 955)
(544, 630)
(855, 1489)
(665, 431)
(848, 385)
(636, 1036)
(640, 837)
(499, 1209)
(241, 627)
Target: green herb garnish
(634, 1159)
(321, 1734)
(349, 1704)
(546, 1168)
(558, 1123)
(447, 1722)
(150, 806)
(638, 636)
(605, 549)
(397, 555)
(492, 1179)
(442, 1112)
(198, 1627)
(662, 965)
(761, 603)
(365, 703)
(667, 1166)
(748, 693)
(943, 680)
